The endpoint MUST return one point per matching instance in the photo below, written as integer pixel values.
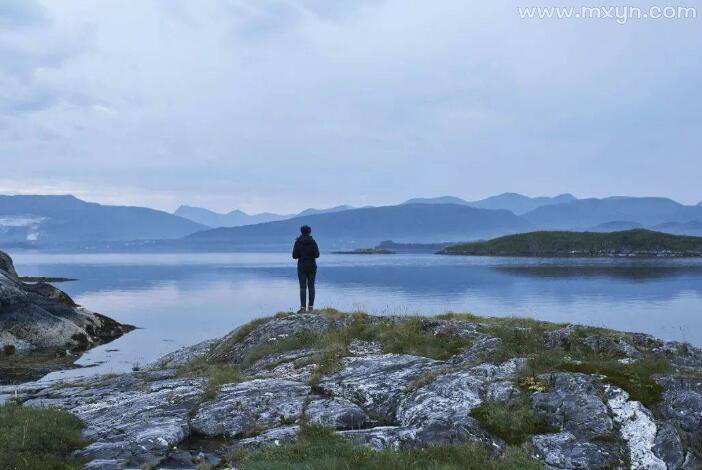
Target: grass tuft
(514, 420)
(318, 448)
(216, 374)
(635, 378)
(38, 439)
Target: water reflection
(181, 299)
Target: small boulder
(336, 413)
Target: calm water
(181, 299)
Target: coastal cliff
(331, 389)
(39, 320)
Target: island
(333, 390)
(628, 243)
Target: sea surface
(181, 299)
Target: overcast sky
(285, 104)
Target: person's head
(305, 230)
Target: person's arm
(296, 250)
(316, 250)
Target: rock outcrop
(382, 399)
(39, 317)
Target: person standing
(306, 252)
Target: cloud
(15, 14)
(281, 105)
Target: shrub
(38, 438)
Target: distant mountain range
(368, 226)
(513, 202)
(230, 219)
(585, 213)
(688, 228)
(54, 219)
(48, 221)
(236, 217)
(615, 226)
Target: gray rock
(381, 437)
(681, 355)
(573, 404)
(561, 338)
(682, 403)
(605, 344)
(449, 396)
(272, 437)
(668, 446)
(105, 464)
(481, 347)
(239, 343)
(439, 411)
(457, 328)
(377, 383)
(358, 347)
(504, 390)
(183, 356)
(282, 366)
(636, 427)
(565, 451)
(126, 418)
(681, 407)
(7, 267)
(39, 316)
(250, 406)
(337, 413)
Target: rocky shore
(525, 393)
(41, 325)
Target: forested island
(628, 243)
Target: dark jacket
(305, 252)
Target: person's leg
(310, 286)
(302, 277)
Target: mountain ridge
(49, 218)
(411, 222)
(237, 217)
(513, 202)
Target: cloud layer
(282, 104)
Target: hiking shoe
(310, 309)
(302, 310)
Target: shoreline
(524, 388)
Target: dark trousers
(306, 277)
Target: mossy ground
(520, 337)
(527, 338)
(408, 336)
(513, 421)
(33, 439)
(216, 374)
(321, 449)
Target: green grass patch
(216, 374)
(318, 448)
(410, 336)
(514, 420)
(38, 439)
(300, 340)
(220, 350)
(635, 378)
